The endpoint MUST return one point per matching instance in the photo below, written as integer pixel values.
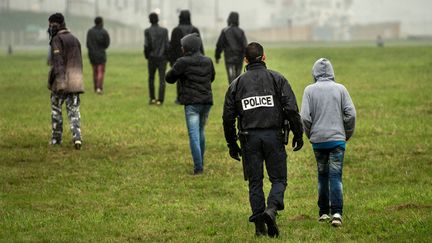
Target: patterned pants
(72, 107)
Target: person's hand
(234, 151)
(297, 143)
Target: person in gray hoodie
(328, 116)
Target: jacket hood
(191, 43)
(323, 70)
(233, 19)
(184, 17)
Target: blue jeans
(330, 195)
(196, 117)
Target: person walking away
(156, 52)
(98, 41)
(260, 101)
(65, 79)
(184, 28)
(328, 115)
(232, 41)
(194, 74)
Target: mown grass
(132, 181)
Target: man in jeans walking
(328, 117)
(194, 74)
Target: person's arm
(349, 113)
(213, 72)
(219, 46)
(58, 63)
(166, 42)
(147, 44)
(291, 112)
(107, 39)
(306, 114)
(229, 118)
(175, 45)
(202, 45)
(88, 42)
(176, 71)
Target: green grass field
(132, 180)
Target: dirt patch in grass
(301, 217)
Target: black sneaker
(260, 228)
(269, 216)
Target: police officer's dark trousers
(258, 146)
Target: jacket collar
(256, 65)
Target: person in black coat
(184, 28)
(194, 74)
(98, 41)
(155, 51)
(232, 41)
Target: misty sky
(413, 14)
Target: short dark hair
(153, 17)
(56, 18)
(98, 20)
(254, 52)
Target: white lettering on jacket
(257, 101)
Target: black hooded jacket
(184, 28)
(232, 41)
(260, 99)
(98, 41)
(194, 73)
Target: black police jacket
(260, 99)
(194, 73)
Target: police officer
(260, 100)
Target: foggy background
(24, 22)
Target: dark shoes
(260, 228)
(269, 217)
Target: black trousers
(259, 147)
(233, 70)
(160, 66)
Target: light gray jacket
(327, 111)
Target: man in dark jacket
(260, 100)
(184, 28)
(65, 79)
(194, 74)
(98, 41)
(155, 51)
(232, 41)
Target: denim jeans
(330, 195)
(196, 117)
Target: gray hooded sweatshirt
(328, 113)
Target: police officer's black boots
(269, 216)
(260, 228)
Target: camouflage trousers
(72, 101)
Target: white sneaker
(336, 220)
(324, 218)
(77, 144)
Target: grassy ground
(132, 181)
